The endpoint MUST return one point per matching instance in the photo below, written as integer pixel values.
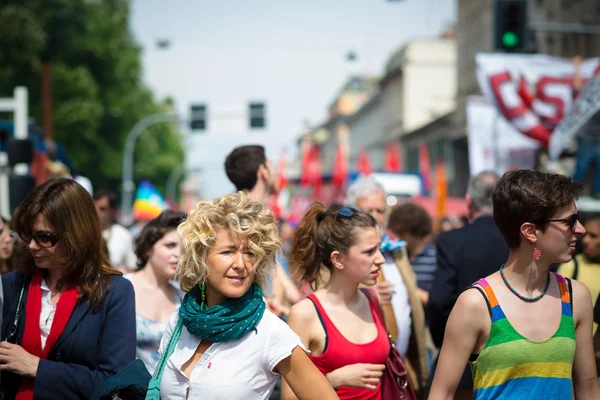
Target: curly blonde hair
(235, 212)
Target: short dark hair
(166, 222)
(113, 198)
(529, 196)
(410, 218)
(241, 165)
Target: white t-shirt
(238, 370)
(400, 303)
(120, 246)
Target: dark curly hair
(166, 222)
(530, 196)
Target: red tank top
(340, 352)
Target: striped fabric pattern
(511, 366)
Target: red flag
(392, 158)
(364, 164)
(340, 167)
(316, 170)
(425, 166)
(281, 178)
(306, 165)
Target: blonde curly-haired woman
(223, 343)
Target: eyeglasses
(344, 212)
(570, 221)
(42, 238)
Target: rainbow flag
(149, 203)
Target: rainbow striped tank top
(511, 366)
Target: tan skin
(13, 357)
(230, 265)
(469, 324)
(154, 295)
(347, 308)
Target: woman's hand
(357, 375)
(15, 359)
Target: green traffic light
(510, 39)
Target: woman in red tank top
(348, 343)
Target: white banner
(494, 144)
(532, 91)
(578, 121)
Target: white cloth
(400, 303)
(120, 246)
(48, 310)
(238, 370)
(86, 183)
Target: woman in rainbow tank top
(527, 332)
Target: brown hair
(241, 165)
(70, 208)
(321, 232)
(529, 196)
(410, 218)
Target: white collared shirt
(48, 310)
(400, 303)
(238, 370)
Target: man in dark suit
(464, 256)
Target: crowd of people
(354, 301)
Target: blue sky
(291, 54)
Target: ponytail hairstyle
(322, 231)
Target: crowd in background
(312, 283)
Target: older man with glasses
(397, 283)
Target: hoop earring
(537, 253)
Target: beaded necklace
(527, 299)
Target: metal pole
(127, 182)
(172, 182)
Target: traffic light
(510, 26)
(19, 151)
(257, 115)
(198, 117)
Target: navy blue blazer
(93, 346)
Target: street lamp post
(127, 182)
(174, 176)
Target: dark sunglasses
(570, 221)
(344, 212)
(42, 238)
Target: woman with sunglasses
(337, 323)
(526, 331)
(222, 343)
(69, 318)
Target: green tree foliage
(98, 94)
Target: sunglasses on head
(42, 238)
(344, 212)
(571, 221)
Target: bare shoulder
(472, 305)
(582, 299)
(303, 312)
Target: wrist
(35, 362)
(332, 381)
